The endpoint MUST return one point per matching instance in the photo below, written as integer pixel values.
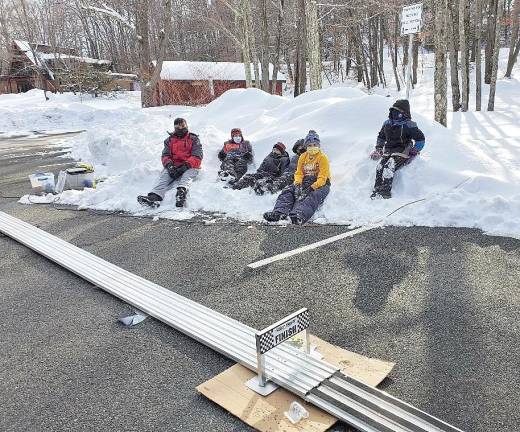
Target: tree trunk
(494, 71)
(287, 60)
(300, 65)
(440, 78)
(454, 62)
(276, 57)
(143, 48)
(415, 63)
(249, 30)
(490, 40)
(264, 46)
(464, 58)
(394, 60)
(152, 74)
(515, 40)
(313, 43)
(478, 55)
(246, 50)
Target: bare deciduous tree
(440, 78)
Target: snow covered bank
(21, 114)
(467, 176)
(466, 183)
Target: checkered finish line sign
(282, 330)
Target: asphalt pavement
(443, 303)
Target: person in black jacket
(398, 142)
(277, 184)
(272, 167)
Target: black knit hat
(403, 106)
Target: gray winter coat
(274, 165)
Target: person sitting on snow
(395, 147)
(272, 167)
(287, 177)
(311, 186)
(235, 155)
(181, 159)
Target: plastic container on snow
(42, 183)
(79, 178)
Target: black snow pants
(250, 180)
(385, 172)
(235, 166)
(302, 207)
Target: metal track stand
(273, 336)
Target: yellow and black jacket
(313, 166)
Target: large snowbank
(467, 176)
(462, 181)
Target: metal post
(307, 340)
(409, 74)
(260, 364)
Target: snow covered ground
(467, 176)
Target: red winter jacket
(187, 149)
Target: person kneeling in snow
(181, 159)
(311, 186)
(235, 155)
(395, 147)
(287, 177)
(271, 168)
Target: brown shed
(198, 83)
(34, 65)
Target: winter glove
(300, 193)
(179, 171)
(171, 169)
(222, 155)
(258, 188)
(305, 193)
(414, 152)
(248, 156)
(375, 155)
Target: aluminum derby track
(322, 384)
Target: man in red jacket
(181, 159)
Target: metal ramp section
(318, 382)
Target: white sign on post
(411, 22)
(411, 19)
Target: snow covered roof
(194, 70)
(26, 48)
(39, 58)
(58, 56)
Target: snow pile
(467, 175)
(26, 112)
(465, 183)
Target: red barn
(198, 83)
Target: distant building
(41, 66)
(198, 83)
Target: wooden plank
(266, 414)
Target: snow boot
(273, 216)
(223, 175)
(180, 198)
(151, 200)
(381, 195)
(296, 220)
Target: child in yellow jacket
(311, 186)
